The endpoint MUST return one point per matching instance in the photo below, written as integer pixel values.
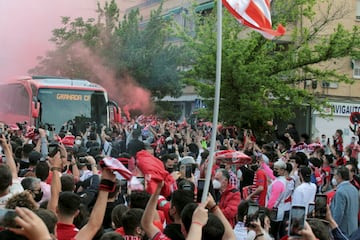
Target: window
(356, 68)
(357, 10)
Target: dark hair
(139, 199)
(67, 183)
(354, 169)
(263, 213)
(82, 218)
(111, 236)
(187, 185)
(267, 147)
(296, 158)
(131, 219)
(69, 203)
(303, 159)
(343, 172)
(242, 210)
(214, 229)
(42, 171)
(186, 215)
(6, 177)
(48, 217)
(316, 162)
(319, 229)
(306, 174)
(289, 167)
(117, 213)
(28, 183)
(180, 198)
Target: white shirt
(15, 188)
(304, 194)
(240, 231)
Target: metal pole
(216, 101)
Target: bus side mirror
(35, 109)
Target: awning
(205, 6)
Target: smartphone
(252, 214)
(188, 171)
(53, 148)
(200, 189)
(69, 156)
(7, 218)
(320, 206)
(311, 209)
(297, 220)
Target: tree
(125, 47)
(262, 79)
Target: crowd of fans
(144, 180)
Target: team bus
(55, 101)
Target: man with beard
(259, 187)
(170, 162)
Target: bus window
(14, 100)
(58, 106)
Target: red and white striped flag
(254, 14)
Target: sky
(26, 26)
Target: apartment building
(343, 97)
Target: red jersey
(260, 179)
(66, 231)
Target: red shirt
(340, 161)
(326, 174)
(260, 179)
(66, 231)
(160, 236)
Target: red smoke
(125, 91)
(26, 28)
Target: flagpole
(216, 101)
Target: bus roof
(55, 82)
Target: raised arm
(147, 219)
(56, 168)
(9, 156)
(229, 233)
(98, 212)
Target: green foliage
(127, 47)
(168, 110)
(263, 79)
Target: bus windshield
(58, 106)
